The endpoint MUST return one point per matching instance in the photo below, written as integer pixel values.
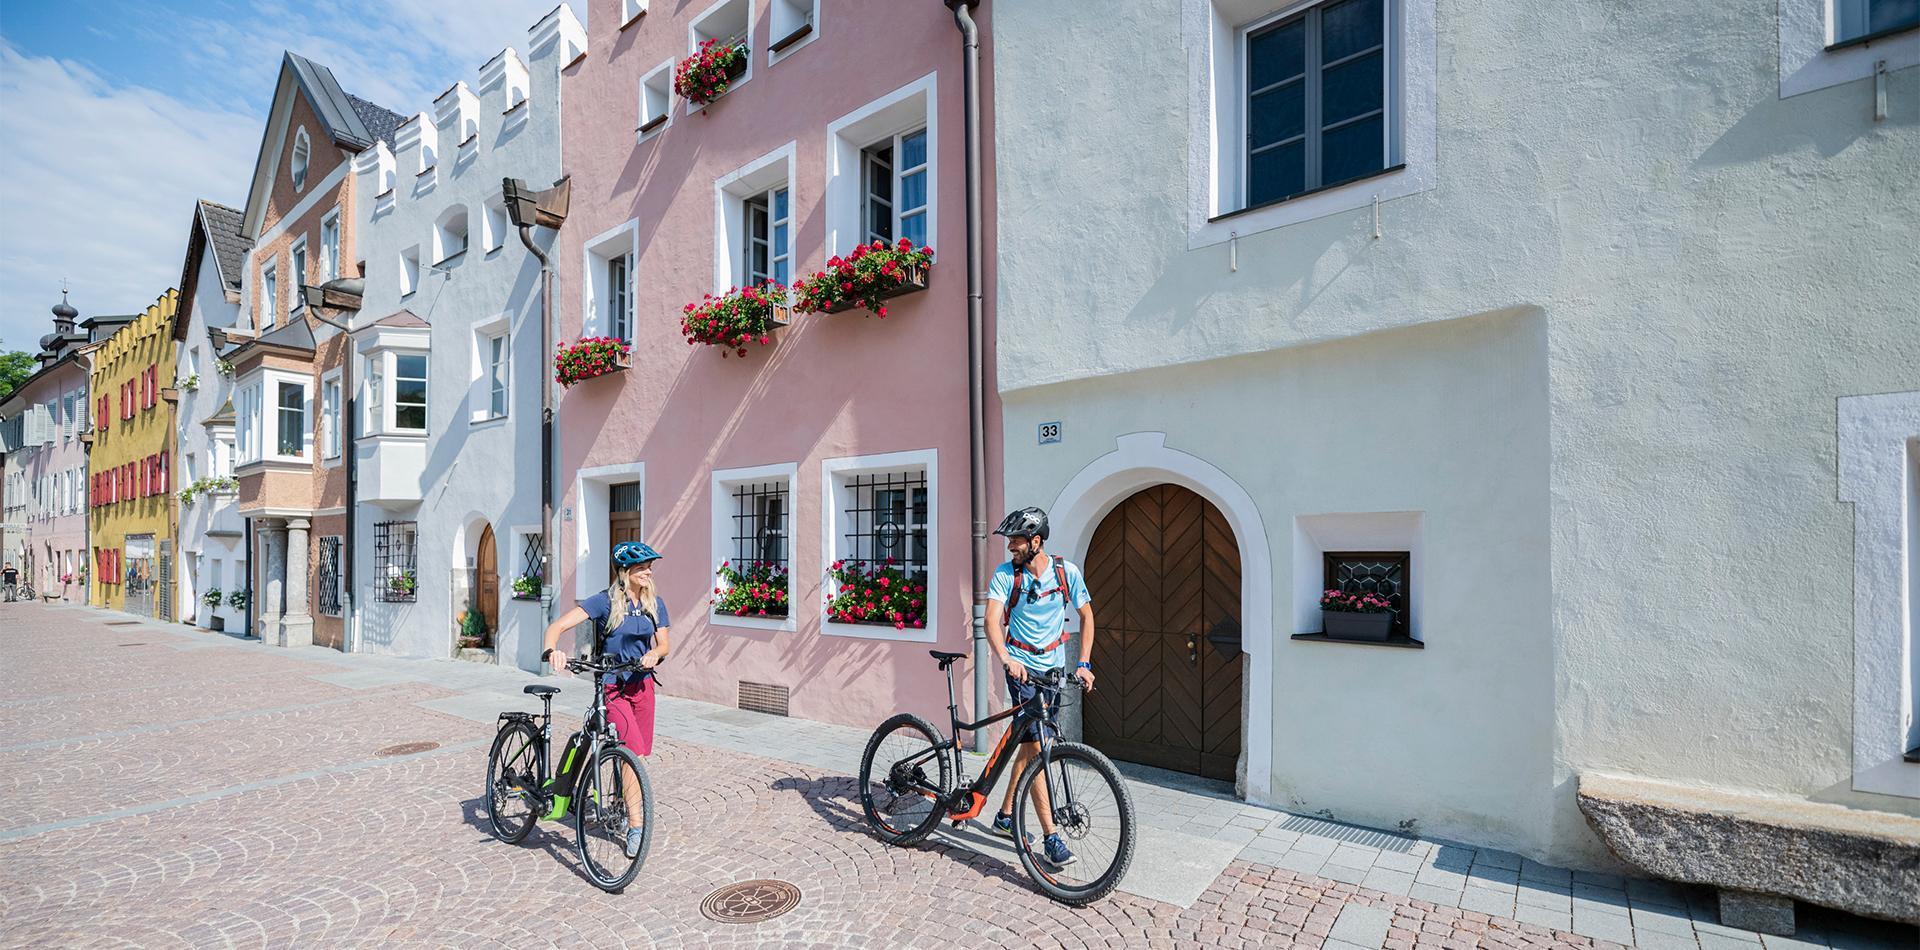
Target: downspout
(976, 356)
(547, 532)
(349, 626)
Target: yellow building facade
(130, 465)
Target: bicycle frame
(968, 800)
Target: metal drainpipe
(976, 355)
(349, 629)
(547, 532)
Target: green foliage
(15, 367)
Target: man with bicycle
(1027, 604)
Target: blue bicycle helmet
(629, 553)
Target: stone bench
(1762, 852)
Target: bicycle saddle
(946, 659)
(538, 690)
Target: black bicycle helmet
(1025, 523)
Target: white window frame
(409, 271)
(270, 420)
(1879, 473)
(374, 381)
(1215, 30)
(299, 165)
(906, 109)
(444, 234)
(332, 411)
(330, 246)
(786, 16)
(631, 10)
(658, 81)
(297, 270)
(731, 192)
(778, 239)
(482, 376)
(724, 480)
(592, 497)
(696, 35)
(1807, 28)
(247, 431)
(270, 292)
(620, 240)
(833, 472)
(897, 212)
(393, 392)
(496, 225)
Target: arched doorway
(1164, 568)
(486, 580)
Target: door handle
(1193, 650)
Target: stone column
(297, 628)
(269, 601)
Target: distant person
(9, 580)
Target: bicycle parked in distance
(598, 776)
(907, 785)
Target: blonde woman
(630, 624)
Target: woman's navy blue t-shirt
(631, 638)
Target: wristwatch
(1085, 665)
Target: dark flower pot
(914, 281)
(1345, 625)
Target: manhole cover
(750, 901)
(121, 623)
(129, 644)
(407, 748)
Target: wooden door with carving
(1164, 573)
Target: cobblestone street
(174, 788)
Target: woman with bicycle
(630, 625)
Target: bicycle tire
(919, 827)
(507, 829)
(1053, 886)
(592, 807)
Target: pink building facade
(844, 438)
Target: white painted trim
(830, 471)
(306, 204)
(332, 375)
(590, 502)
(300, 181)
(1879, 452)
(271, 379)
(693, 43)
(844, 196)
(720, 502)
(1806, 65)
(813, 17)
(647, 77)
(594, 249)
(1141, 460)
(730, 192)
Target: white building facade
(447, 366)
(1592, 348)
(212, 565)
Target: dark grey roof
(293, 335)
(330, 102)
(223, 232)
(380, 122)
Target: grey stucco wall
(1712, 268)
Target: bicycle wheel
(601, 817)
(513, 774)
(1092, 813)
(903, 777)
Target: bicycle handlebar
(585, 665)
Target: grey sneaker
(634, 838)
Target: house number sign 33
(1049, 432)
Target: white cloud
(99, 185)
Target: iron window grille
(329, 579)
(760, 523)
(888, 519)
(1386, 573)
(395, 572)
(533, 558)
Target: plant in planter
(710, 71)
(590, 356)
(872, 593)
(866, 277)
(188, 383)
(237, 600)
(526, 587)
(211, 598)
(403, 583)
(735, 318)
(751, 590)
(224, 366)
(1356, 616)
(473, 629)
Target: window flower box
(589, 357)
(1357, 616)
(876, 593)
(527, 587)
(710, 71)
(867, 277)
(736, 318)
(750, 590)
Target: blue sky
(117, 115)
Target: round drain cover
(750, 901)
(407, 748)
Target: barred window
(1385, 573)
(394, 560)
(329, 579)
(887, 520)
(760, 512)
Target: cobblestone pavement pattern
(175, 788)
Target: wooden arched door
(486, 581)
(1164, 572)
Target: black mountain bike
(907, 784)
(597, 779)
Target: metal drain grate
(120, 623)
(763, 698)
(129, 644)
(750, 901)
(1385, 841)
(406, 748)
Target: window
(330, 592)
(620, 297)
(330, 246)
(880, 515)
(302, 154)
(728, 21)
(450, 234)
(656, 99)
(533, 560)
(409, 271)
(896, 191)
(768, 247)
(760, 522)
(270, 293)
(246, 408)
(291, 429)
(1385, 573)
(298, 257)
(497, 353)
(752, 525)
(1316, 100)
(187, 465)
(376, 388)
(606, 296)
(330, 416)
(1879, 466)
(394, 577)
(792, 27)
(1857, 19)
(497, 225)
(630, 10)
(410, 391)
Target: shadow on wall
(1830, 120)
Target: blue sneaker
(1057, 852)
(1003, 826)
